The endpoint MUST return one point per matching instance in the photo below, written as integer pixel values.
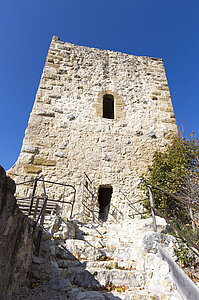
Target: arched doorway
(104, 199)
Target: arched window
(108, 106)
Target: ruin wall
(67, 134)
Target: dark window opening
(108, 107)
(104, 199)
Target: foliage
(104, 258)
(108, 267)
(177, 171)
(185, 256)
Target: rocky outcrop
(15, 240)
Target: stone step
(82, 250)
(89, 275)
(101, 276)
(108, 255)
(107, 264)
(125, 286)
(108, 240)
(129, 294)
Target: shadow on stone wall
(15, 240)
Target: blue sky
(167, 29)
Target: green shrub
(175, 170)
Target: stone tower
(100, 112)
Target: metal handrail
(88, 178)
(32, 197)
(165, 216)
(131, 204)
(175, 197)
(178, 230)
(39, 179)
(39, 210)
(88, 193)
(49, 199)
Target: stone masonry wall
(15, 240)
(67, 135)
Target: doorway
(104, 199)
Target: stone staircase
(101, 261)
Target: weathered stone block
(29, 149)
(26, 158)
(58, 110)
(61, 155)
(172, 121)
(30, 169)
(48, 64)
(167, 109)
(44, 162)
(46, 114)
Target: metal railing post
(36, 207)
(192, 217)
(165, 208)
(83, 193)
(71, 213)
(38, 242)
(43, 209)
(32, 197)
(152, 210)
